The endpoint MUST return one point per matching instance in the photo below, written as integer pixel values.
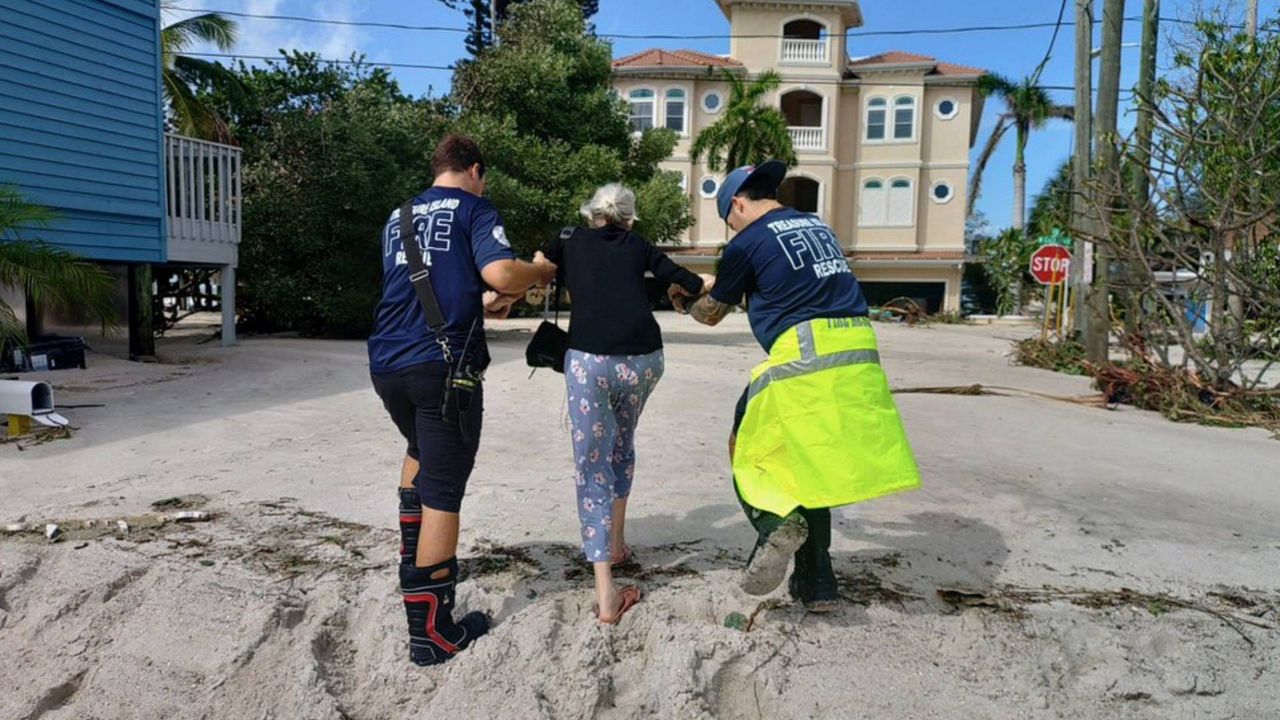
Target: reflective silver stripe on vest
(813, 365)
(804, 336)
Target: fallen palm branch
(978, 390)
(1183, 396)
(1012, 598)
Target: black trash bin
(47, 353)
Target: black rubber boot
(410, 524)
(434, 637)
(767, 567)
(814, 581)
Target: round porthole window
(709, 187)
(942, 192)
(712, 102)
(947, 108)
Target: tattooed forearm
(708, 311)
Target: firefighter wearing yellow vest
(816, 427)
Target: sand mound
(270, 611)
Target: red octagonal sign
(1050, 264)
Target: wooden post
(1082, 161)
(1098, 334)
(1146, 85)
(142, 332)
(227, 285)
(1146, 128)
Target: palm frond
(12, 332)
(1062, 112)
(209, 27)
(190, 115)
(52, 276)
(992, 84)
(975, 181)
(16, 212)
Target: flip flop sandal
(629, 596)
(628, 557)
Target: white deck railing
(203, 185)
(808, 138)
(801, 50)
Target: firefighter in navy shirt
(464, 246)
(817, 427)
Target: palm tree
(1028, 107)
(183, 74)
(48, 275)
(750, 131)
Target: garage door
(928, 295)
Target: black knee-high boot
(434, 637)
(814, 581)
(410, 524)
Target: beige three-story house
(882, 141)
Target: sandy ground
(1115, 565)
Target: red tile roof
(657, 57)
(897, 57)
(893, 57)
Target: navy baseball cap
(768, 175)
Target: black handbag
(549, 343)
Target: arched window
(904, 118)
(675, 114)
(887, 206)
(877, 110)
(642, 102)
(871, 209)
(901, 204)
(802, 193)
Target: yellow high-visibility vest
(821, 428)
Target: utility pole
(1097, 334)
(1082, 161)
(1146, 86)
(1142, 143)
(1252, 21)
(493, 21)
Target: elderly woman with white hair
(614, 362)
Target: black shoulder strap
(565, 233)
(420, 276)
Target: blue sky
(1013, 53)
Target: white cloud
(266, 37)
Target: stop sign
(1050, 264)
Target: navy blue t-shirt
(790, 265)
(458, 234)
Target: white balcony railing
(808, 138)
(800, 50)
(203, 198)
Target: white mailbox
(31, 400)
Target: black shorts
(445, 454)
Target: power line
(419, 66)
(711, 36)
(1048, 53)
(630, 36)
(240, 56)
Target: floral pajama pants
(607, 393)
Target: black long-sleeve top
(604, 272)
